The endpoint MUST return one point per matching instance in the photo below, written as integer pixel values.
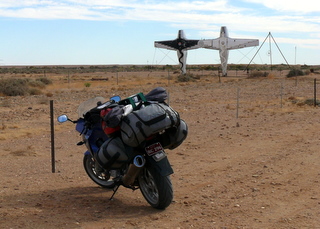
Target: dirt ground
(251, 159)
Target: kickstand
(114, 192)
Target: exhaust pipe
(133, 171)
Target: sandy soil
(251, 165)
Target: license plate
(156, 151)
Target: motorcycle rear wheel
(98, 178)
(156, 189)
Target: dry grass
(28, 151)
(125, 83)
(15, 131)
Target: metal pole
(270, 52)
(295, 55)
(117, 78)
(168, 87)
(315, 92)
(52, 138)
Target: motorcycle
(145, 166)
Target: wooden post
(315, 92)
(168, 100)
(117, 78)
(52, 138)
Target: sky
(110, 32)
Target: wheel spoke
(98, 176)
(149, 187)
(156, 189)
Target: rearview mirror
(62, 118)
(115, 98)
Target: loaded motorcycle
(125, 141)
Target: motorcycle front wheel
(156, 189)
(99, 178)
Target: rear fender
(163, 166)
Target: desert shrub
(271, 75)
(87, 84)
(295, 72)
(310, 102)
(310, 71)
(258, 74)
(34, 91)
(186, 78)
(14, 87)
(37, 84)
(44, 80)
(49, 94)
(20, 87)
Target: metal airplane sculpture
(181, 44)
(224, 43)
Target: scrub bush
(295, 72)
(21, 87)
(14, 87)
(44, 80)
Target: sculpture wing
(241, 43)
(210, 43)
(165, 44)
(191, 44)
(177, 44)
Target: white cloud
(98, 7)
(301, 6)
(205, 16)
(53, 12)
(26, 3)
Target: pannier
(150, 115)
(113, 154)
(174, 136)
(140, 124)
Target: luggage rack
(133, 100)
